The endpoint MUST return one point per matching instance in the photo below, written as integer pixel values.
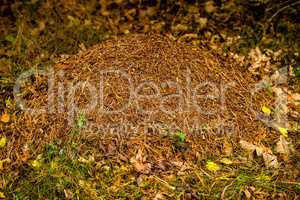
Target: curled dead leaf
(270, 160)
(144, 168)
(139, 163)
(284, 147)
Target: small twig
(224, 190)
(165, 183)
(281, 9)
(280, 4)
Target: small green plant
(51, 150)
(243, 179)
(181, 136)
(179, 139)
(264, 178)
(73, 132)
(81, 121)
(298, 186)
(297, 71)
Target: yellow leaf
(266, 110)
(2, 196)
(264, 178)
(226, 161)
(283, 131)
(5, 117)
(53, 165)
(211, 166)
(2, 142)
(36, 164)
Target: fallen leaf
(227, 148)
(283, 131)
(247, 194)
(25, 153)
(139, 156)
(139, 163)
(284, 147)
(264, 178)
(53, 165)
(36, 164)
(3, 141)
(2, 196)
(259, 149)
(142, 168)
(270, 160)
(247, 146)
(258, 61)
(5, 117)
(211, 166)
(266, 110)
(226, 161)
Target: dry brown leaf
(247, 194)
(5, 117)
(270, 160)
(227, 148)
(142, 168)
(25, 153)
(284, 147)
(247, 146)
(258, 61)
(139, 163)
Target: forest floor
(42, 157)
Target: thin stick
(281, 9)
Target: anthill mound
(135, 86)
